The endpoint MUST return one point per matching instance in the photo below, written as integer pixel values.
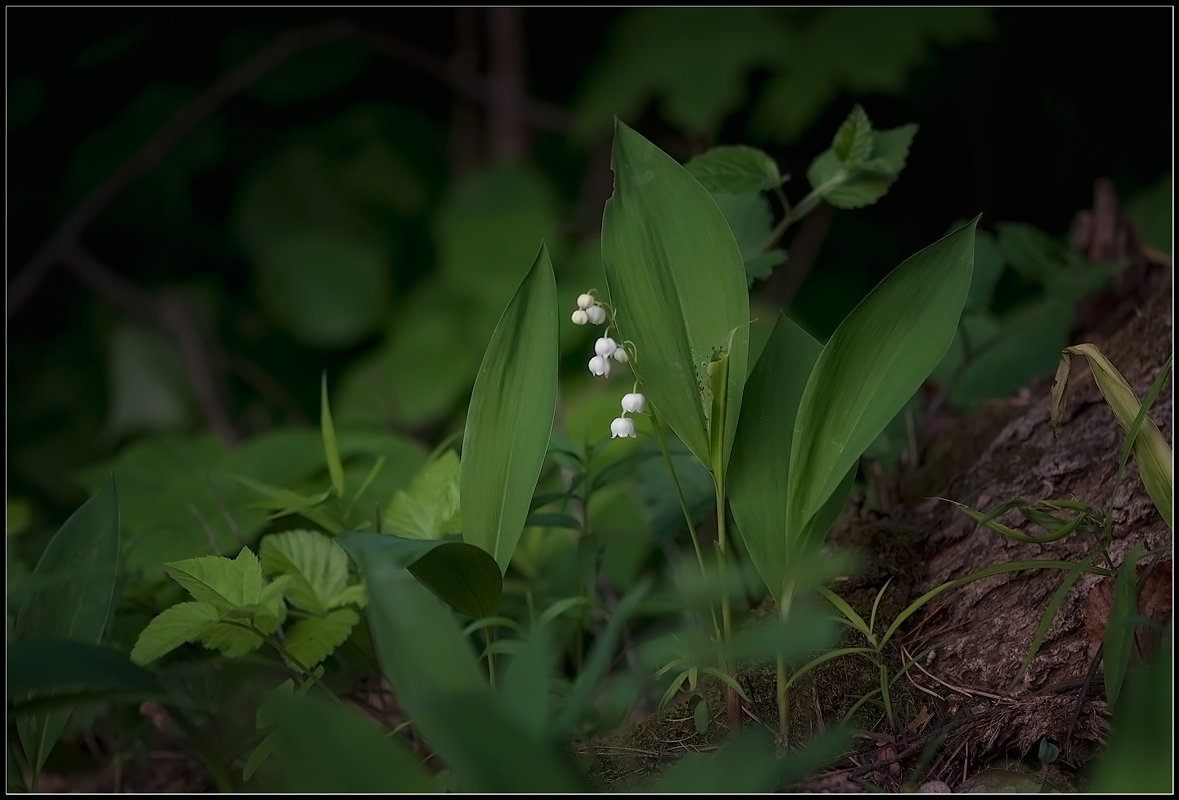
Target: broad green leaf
(429, 507)
(312, 640)
(219, 581)
(87, 546)
(418, 642)
(171, 628)
(677, 284)
(880, 354)
(327, 748)
(48, 666)
(464, 576)
(1151, 448)
(331, 450)
(1118, 638)
(525, 688)
(1140, 754)
(759, 467)
(734, 169)
(510, 417)
(317, 566)
(490, 751)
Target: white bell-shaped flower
(599, 365)
(622, 428)
(620, 355)
(596, 314)
(580, 317)
(584, 301)
(633, 403)
(605, 347)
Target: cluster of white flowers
(589, 310)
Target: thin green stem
(804, 207)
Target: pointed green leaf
(171, 628)
(1118, 639)
(331, 450)
(317, 566)
(50, 665)
(510, 417)
(877, 358)
(328, 748)
(760, 463)
(860, 181)
(429, 507)
(853, 140)
(219, 581)
(87, 548)
(313, 639)
(734, 169)
(677, 284)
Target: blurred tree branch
(454, 74)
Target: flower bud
(596, 314)
(622, 428)
(605, 346)
(585, 301)
(580, 317)
(600, 366)
(620, 356)
(633, 403)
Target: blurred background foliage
(368, 204)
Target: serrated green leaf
(429, 507)
(312, 640)
(86, 547)
(877, 358)
(353, 595)
(327, 748)
(219, 581)
(316, 565)
(510, 417)
(760, 466)
(677, 284)
(734, 169)
(853, 141)
(171, 628)
(750, 221)
(231, 640)
(331, 450)
(856, 184)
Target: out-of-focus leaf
(309, 75)
(48, 666)
(1151, 209)
(856, 50)
(429, 507)
(328, 748)
(734, 169)
(76, 610)
(149, 391)
(463, 575)
(1118, 639)
(759, 468)
(331, 450)
(749, 218)
(677, 283)
(695, 61)
(525, 688)
(880, 354)
(111, 47)
(510, 417)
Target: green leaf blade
(317, 566)
(331, 449)
(880, 354)
(760, 464)
(677, 283)
(86, 545)
(510, 418)
(171, 628)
